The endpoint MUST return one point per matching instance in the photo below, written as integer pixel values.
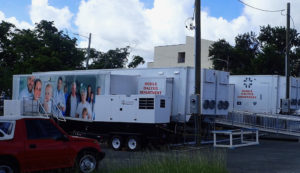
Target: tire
(7, 167)
(116, 143)
(133, 143)
(87, 162)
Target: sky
(144, 24)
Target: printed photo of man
(72, 101)
(59, 96)
(27, 93)
(98, 91)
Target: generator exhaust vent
(146, 103)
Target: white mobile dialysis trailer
(263, 93)
(134, 106)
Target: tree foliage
(45, 48)
(117, 58)
(111, 59)
(137, 60)
(262, 54)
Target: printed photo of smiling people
(67, 95)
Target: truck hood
(81, 139)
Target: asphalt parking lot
(269, 156)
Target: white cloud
(167, 20)
(121, 23)
(219, 28)
(41, 10)
(13, 20)
(260, 18)
(113, 23)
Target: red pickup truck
(38, 143)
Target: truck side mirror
(63, 138)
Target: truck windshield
(6, 127)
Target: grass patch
(210, 162)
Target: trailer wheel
(133, 143)
(116, 142)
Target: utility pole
(88, 51)
(287, 61)
(198, 68)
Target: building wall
(167, 56)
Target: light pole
(88, 49)
(226, 61)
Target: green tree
(262, 54)
(271, 59)
(43, 48)
(117, 58)
(111, 59)
(245, 50)
(7, 58)
(137, 60)
(220, 52)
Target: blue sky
(228, 9)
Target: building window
(181, 57)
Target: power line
(291, 19)
(294, 27)
(260, 8)
(293, 22)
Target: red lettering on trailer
(150, 88)
(151, 92)
(247, 94)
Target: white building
(181, 55)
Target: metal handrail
(41, 110)
(54, 104)
(275, 123)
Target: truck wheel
(87, 162)
(7, 168)
(133, 143)
(116, 142)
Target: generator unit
(153, 109)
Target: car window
(6, 127)
(41, 129)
